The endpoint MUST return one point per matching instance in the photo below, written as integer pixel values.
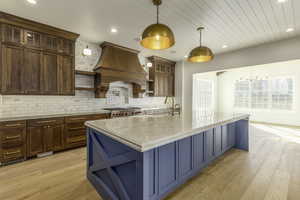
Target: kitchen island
(147, 157)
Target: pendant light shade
(201, 53)
(157, 36)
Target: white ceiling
(236, 23)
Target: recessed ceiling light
(32, 1)
(281, 1)
(186, 56)
(113, 30)
(224, 46)
(289, 30)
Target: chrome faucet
(175, 108)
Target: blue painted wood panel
(225, 145)
(199, 157)
(242, 135)
(218, 140)
(185, 156)
(167, 166)
(209, 145)
(118, 172)
(231, 135)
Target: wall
(84, 101)
(282, 69)
(267, 53)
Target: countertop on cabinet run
(17, 118)
(146, 132)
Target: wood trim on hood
(119, 63)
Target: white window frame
(269, 107)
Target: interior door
(12, 70)
(32, 71)
(50, 73)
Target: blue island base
(119, 172)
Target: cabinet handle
(13, 125)
(12, 153)
(49, 121)
(12, 137)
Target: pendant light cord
(200, 38)
(157, 14)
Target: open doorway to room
(269, 93)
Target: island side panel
(114, 169)
(242, 134)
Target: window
(203, 101)
(276, 93)
(282, 93)
(259, 94)
(242, 94)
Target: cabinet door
(171, 85)
(49, 43)
(50, 73)
(35, 140)
(32, 71)
(166, 85)
(66, 46)
(66, 75)
(231, 135)
(158, 84)
(199, 157)
(12, 34)
(218, 140)
(209, 145)
(224, 138)
(57, 137)
(32, 39)
(12, 70)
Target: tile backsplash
(83, 101)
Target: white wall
(282, 69)
(267, 53)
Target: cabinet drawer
(12, 124)
(46, 122)
(75, 119)
(84, 118)
(76, 141)
(12, 154)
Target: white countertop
(147, 132)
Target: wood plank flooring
(270, 171)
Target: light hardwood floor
(270, 171)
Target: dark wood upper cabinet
(12, 34)
(50, 74)
(65, 47)
(66, 75)
(163, 75)
(12, 70)
(49, 43)
(35, 59)
(32, 39)
(32, 71)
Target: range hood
(119, 63)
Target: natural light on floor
(290, 134)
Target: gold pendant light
(157, 36)
(201, 53)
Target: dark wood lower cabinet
(25, 139)
(45, 136)
(12, 141)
